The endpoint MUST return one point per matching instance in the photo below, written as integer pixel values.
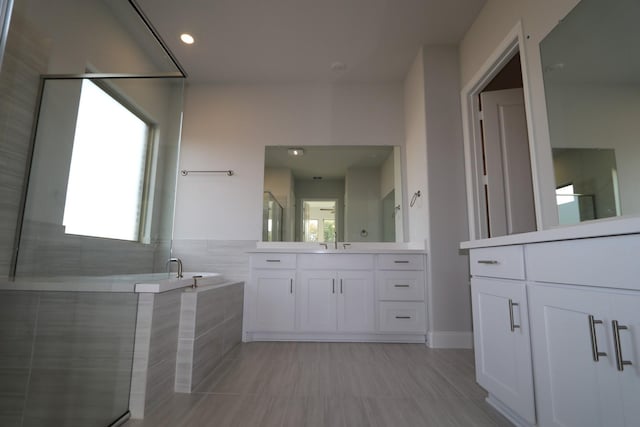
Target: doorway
(319, 221)
(500, 184)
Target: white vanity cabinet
(581, 297)
(336, 296)
(273, 283)
(501, 329)
(400, 281)
(336, 293)
(586, 338)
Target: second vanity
(556, 317)
(313, 294)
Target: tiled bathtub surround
(65, 357)
(154, 362)
(181, 336)
(210, 325)
(227, 257)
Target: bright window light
(107, 172)
(565, 195)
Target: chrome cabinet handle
(620, 362)
(291, 286)
(341, 286)
(401, 286)
(273, 260)
(594, 339)
(401, 262)
(512, 323)
(403, 317)
(488, 261)
(333, 286)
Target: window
(106, 186)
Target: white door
(275, 301)
(509, 185)
(356, 301)
(572, 388)
(317, 301)
(502, 343)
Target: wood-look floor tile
(341, 384)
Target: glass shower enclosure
(90, 121)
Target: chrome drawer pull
(291, 286)
(273, 260)
(401, 262)
(594, 339)
(403, 317)
(333, 286)
(511, 321)
(401, 286)
(488, 261)
(620, 362)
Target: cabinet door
(275, 301)
(356, 301)
(502, 343)
(317, 301)
(626, 311)
(572, 388)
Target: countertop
(592, 229)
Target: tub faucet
(179, 262)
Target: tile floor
(333, 384)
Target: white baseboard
(333, 337)
(450, 339)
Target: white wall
(227, 127)
(492, 26)
(363, 205)
(416, 151)
(450, 314)
(387, 176)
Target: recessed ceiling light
(187, 38)
(296, 152)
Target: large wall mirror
(326, 194)
(592, 85)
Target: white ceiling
(276, 41)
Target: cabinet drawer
(607, 261)
(400, 262)
(406, 317)
(400, 285)
(336, 262)
(504, 262)
(273, 261)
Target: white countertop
(338, 251)
(591, 229)
(353, 248)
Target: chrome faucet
(179, 262)
(335, 240)
(324, 245)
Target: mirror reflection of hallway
(319, 220)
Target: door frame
(472, 133)
(300, 226)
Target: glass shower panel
(100, 202)
(89, 36)
(66, 358)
